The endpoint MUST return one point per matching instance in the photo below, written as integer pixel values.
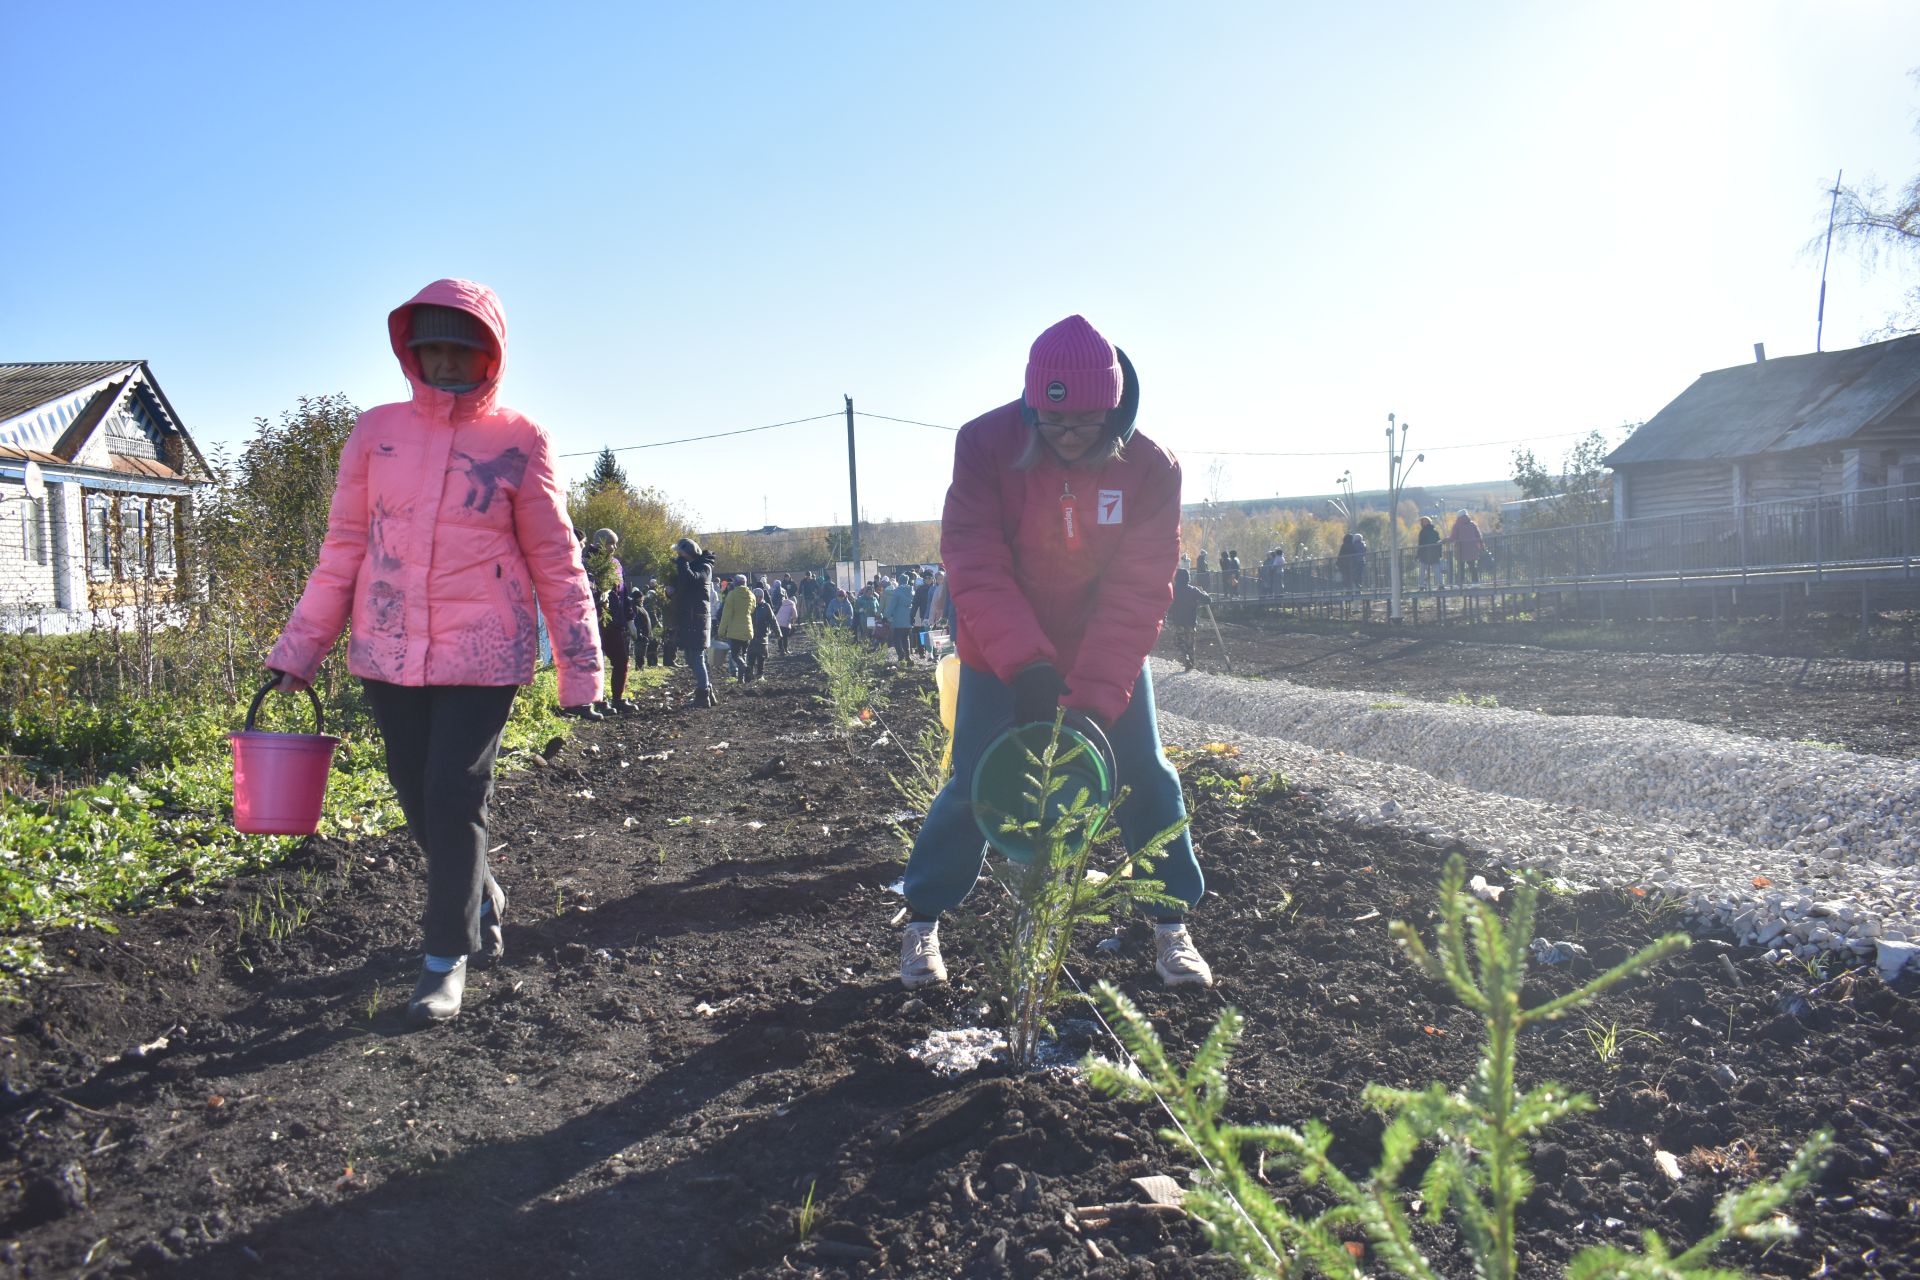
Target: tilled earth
(697, 1031)
(1861, 704)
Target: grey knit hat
(449, 324)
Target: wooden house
(1797, 427)
(97, 482)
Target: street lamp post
(1397, 471)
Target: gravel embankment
(1694, 813)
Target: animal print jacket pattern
(447, 524)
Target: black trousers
(441, 743)
(617, 660)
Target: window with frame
(165, 557)
(33, 531)
(99, 536)
(133, 537)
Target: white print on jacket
(1112, 502)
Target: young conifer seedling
(1055, 894)
(1478, 1134)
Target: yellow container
(947, 677)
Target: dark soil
(1863, 705)
(698, 1023)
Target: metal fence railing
(1866, 530)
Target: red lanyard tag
(1070, 519)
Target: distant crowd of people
(661, 623)
(1458, 557)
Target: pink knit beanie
(1073, 369)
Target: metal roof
(1774, 405)
(28, 386)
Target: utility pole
(1820, 318)
(853, 490)
(1396, 482)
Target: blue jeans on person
(697, 663)
(949, 852)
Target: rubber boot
(436, 998)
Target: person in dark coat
(1428, 551)
(646, 645)
(1353, 561)
(764, 629)
(1184, 614)
(693, 613)
(614, 608)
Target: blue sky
(1499, 221)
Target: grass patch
(78, 846)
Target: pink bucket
(279, 779)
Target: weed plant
(1479, 1134)
(929, 765)
(1058, 891)
(855, 674)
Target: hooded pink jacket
(1025, 593)
(447, 523)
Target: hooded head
(1181, 577)
(462, 314)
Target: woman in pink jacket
(1060, 536)
(447, 522)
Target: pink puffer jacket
(1090, 604)
(447, 523)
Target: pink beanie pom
(1073, 369)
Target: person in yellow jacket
(736, 626)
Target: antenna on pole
(1820, 317)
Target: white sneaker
(920, 962)
(1177, 960)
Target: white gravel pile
(1689, 812)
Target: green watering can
(1000, 786)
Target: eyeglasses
(1074, 428)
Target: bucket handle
(319, 718)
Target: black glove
(706, 558)
(1036, 694)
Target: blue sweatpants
(950, 851)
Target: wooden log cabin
(1799, 444)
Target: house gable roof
(1775, 405)
(58, 407)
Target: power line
(717, 435)
(912, 422)
(937, 426)
(1356, 453)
